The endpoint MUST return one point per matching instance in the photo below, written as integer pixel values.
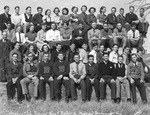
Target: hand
(30, 76)
(51, 79)
(141, 81)
(112, 81)
(146, 69)
(41, 78)
(78, 81)
(34, 77)
(131, 81)
(59, 77)
(102, 80)
(65, 78)
(92, 81)
(119, 78)
(75, 80)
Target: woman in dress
(47, 19)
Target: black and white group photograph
(82, 57)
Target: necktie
(77, 67)
(133, 34)
(19, 37)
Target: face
(84, 46)
(31, 28)
(8, 26)
(84, 9)
(95, 48)
(28, 10)
(17, 10)
(72, 46)
(92, 11)
(122, 12)
(60, 57)
(17, 46)
(48, 12)
(15, 57)
(120, 59)
(133, 28)
(127, 50)
(105, 27)
(101, 48)
(131, 9)
(141, 11)
(119, 26)
(134, 58)
(7, 10)
(91, 60)
(115, 48)
(30, 57)
(113, 10)
(18, 29)
(75, 10)
(40, 11)
(58, 47)
(94, 25)
(45, 57)
(44, 27)
(53, 26)
(104, 10)
(80, 26)
(31, 48)
(105, 57)
(45, 48)
(64, 12)
(76, 58)
(139, 53)
(4, 35)
(56, 11)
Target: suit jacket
(112, 20)
(76, 33)
(91, 18)
(5, 48)
(4, 19)
(37, 19)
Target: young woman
(65, 17)
(47, 19)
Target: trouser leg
(51, 86)
(19, 90)
(118, 86)
(10, 90)
(83, 89)
(96, 87)
(88, 88)
(112, 86)
(66, 84)
(24, 83)
(58, 84)
(127, 87)
(133, 91)
(42, 89)
(124, 40)
(73, 90)
(102, 87)
(35, 83)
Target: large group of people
(78, 51)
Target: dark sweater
(120, 71)
(61, 68)
(112, 19)
(37, 19)
(45, 69)
(70, 56)
(106, 70)
(131, 17)
(92, 70)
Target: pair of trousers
(89, 88)
(109, 41)
(58, 86)
(42, 88)
(11, 90)
(112, 86)
(135, 44)
(126, 84)
(142, 90)
(123, 41)
(74, 89)
(24, 84)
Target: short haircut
(57, 9)
(133, 54)
(17, 7)
(84, 6)
(84, 43)
(115, 45)
(74, 8)
(120, 56)
(65, 22)
(101, 9)
(90, 56)
(60, 53)
(92, 8)
(113, 8)
(142, 9)
(45, 53)
(5, 7)
(76, 54)
(39, 8)
(105, 53)
(14, 54)
(66, 10)
(131, 7)
(28, 7)
(47, 11)
(80, 22)
(95, 44)
(53, 23)
(121, 9)
(101, 45)
(58, 44)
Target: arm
(71, 72)
(128, 72)
(24, 70)
(83, 72)
(20, 70)
(96, 71)
(142, 71)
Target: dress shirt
(53, 35)
(16, 19)
(113, 57)
(55, 18)
(83, 55)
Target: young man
(94, 52)
(79, 35)
(106, 35)
(107, 77)
(84, 53)
(77, 74)
(17, 51)
(135, 73)
(120, 35)
(113, 56)
(121, 78)
(46, 76)
(100, 54)
(5, 18)
(61, 76)
(134, 39)
(126, 55)
(37, 19)
(112, 19)
(5, 48)
(26, 19)
(94, 36)
(13, 78)
(16, 17)
(92, 78)
(121, 17)
(30, 72)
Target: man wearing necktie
(121, 78)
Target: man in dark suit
(5, 18)
(5, 48)
(79, 35)
(37, 19)
(112, 19)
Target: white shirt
(23, 18)
(55, 18)
(113, 57)
(16, 19)
(130, 34)
(22, 35)
(94, 53)
(52, 35)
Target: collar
(91, 64)
(105, 62)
